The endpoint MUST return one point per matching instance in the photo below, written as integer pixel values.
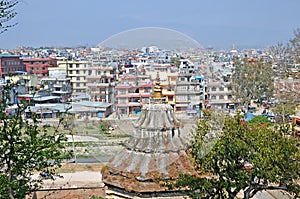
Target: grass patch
(73, 167)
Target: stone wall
(69, 193)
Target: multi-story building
(11, 64)
(189, 92)
(219, 94)
(39, 66)
(168, 87)
(132, 92)
(101, 82)
(76, 71)
(57, 87)
(26, 83)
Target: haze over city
(214, 23)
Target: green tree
(252, 80)
(176, 61)
(7, 12)
(25, 147)
(242, 158)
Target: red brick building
(11, 64)
(39, 66)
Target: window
(71, 72)
(229, 96)
(77, 72)
(221, 97)
(123, 101)
(213, 97)
(70, 65)
(77, 65)
(77, 84)
(181, 98)
(221, 88)
(77, 78)
(122, 91)
(213, 89)
(182, 88)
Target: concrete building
(11, 64)
(189, 92)
(57, 87)
(219, 95)
(131, 93)
(101, 80)
(39, 66)
(77, 72)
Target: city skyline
(215, 23)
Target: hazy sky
(213, 23)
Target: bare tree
(7, 12)
(295, 46)
(252, 80)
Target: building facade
(39, 66)
(101, 82)
(219, 95)
(11, 64)
(189, 92)
(77, 72)
(131, 93)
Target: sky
(213, 23)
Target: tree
(25, 147)
(287, 84)
(242, 158)
(176, 61)
(287, 93)
(7, 13)
(295, 47)
(252, 80)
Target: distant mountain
(150, 36)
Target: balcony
(96, 84)
(188, 92)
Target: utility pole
(74, 149)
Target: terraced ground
(89, 143)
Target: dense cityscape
(119, 82)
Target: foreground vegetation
(25, 148)
(233, 156)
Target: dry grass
(71, 168)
